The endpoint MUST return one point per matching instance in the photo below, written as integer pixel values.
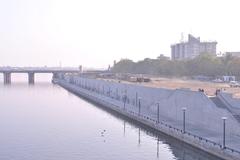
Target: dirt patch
(174, 83)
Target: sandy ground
(174, 83)
(209, 87)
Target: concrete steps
(220, 104)
(237, 117)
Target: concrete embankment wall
(233, 104)
(201, 111)
(96, 90)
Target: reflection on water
(44, 121)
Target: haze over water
(44, 121)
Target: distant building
(163, 57)
(192, 48)
(228, 78)
(234, 54)
(80, 68)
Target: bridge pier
(55, 75)
(58, 75)
(7, 77)
(31, 78)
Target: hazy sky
(96, 32)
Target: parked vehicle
(234, 84)
(218, 80)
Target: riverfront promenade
(205, 133)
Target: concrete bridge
(7, 71)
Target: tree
(205, 64)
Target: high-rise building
(192, 48)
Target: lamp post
(125, 99)
(224, 131)
(139, 106)
(184, 119)
(158, 112)
(117, 93)
(136, 98)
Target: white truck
(234, 84)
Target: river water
(46, 122)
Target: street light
(125, 99)
(184, 119)
(139, 106)
(224, 131)
(117, 93)
(158, 112)
(136, 98)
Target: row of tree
(204, 65)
